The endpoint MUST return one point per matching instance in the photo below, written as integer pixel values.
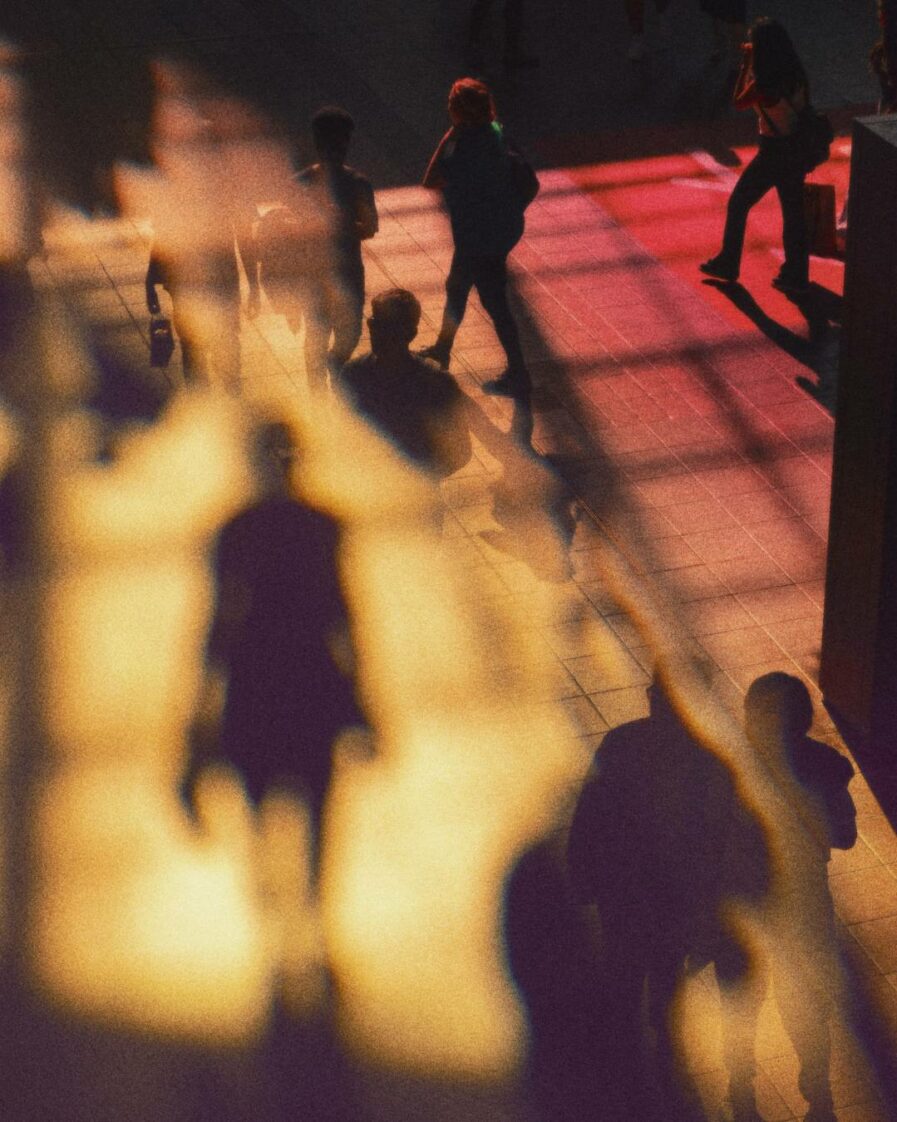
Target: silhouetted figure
(341, 201)
(514, 56)
(729, 18)
(554, 961)
(473, 168)
(800, 916)
(201, 233)
(418, 406)
(280, 622)
(660, 843)
(772, 81)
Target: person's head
(777, 709)
(331, 131)
(778, 71)
(470, 103)
(393, 321)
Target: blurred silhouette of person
(728, 20)
(203, 231)
(800, 916)
(473, 168)
(635, 14)
(280, 637)
(514, 56)
(418, 406)
(660, 844)
(553, 958)
(340, 203)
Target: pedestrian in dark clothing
(280, 626)
(799, 914)
(772, 81)
(660, 844)
(345, 199)
(418, 406)
(473, 168)
(514, 57)
(309, 250)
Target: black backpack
(524, 181)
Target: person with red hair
(473, 168)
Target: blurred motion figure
(279, 639)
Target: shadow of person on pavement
(554, 960)
(799, 915)
(279, 646)
(661, 846)
(818, 350)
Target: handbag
(814, 135)
(819, 218)
(161, 341)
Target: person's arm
(248, 251)
(153, 277)
(434, 176)
(745, 94)
(366, 221)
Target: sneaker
(638, 48)
(717, 268)
(438, 353)
(792, 287)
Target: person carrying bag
(773, 82)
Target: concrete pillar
(858, 672)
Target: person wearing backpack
(487, 185)
(772, 81)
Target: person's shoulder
(438, 381)
(357, 367)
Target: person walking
(473, 167)
(772, 81)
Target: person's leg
(790, 189)
(756, 179)
(225, 346)
(457, 289)
(742, 987)
(345, 315)
(805, 1008)
(317, 336)
(491, 280)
